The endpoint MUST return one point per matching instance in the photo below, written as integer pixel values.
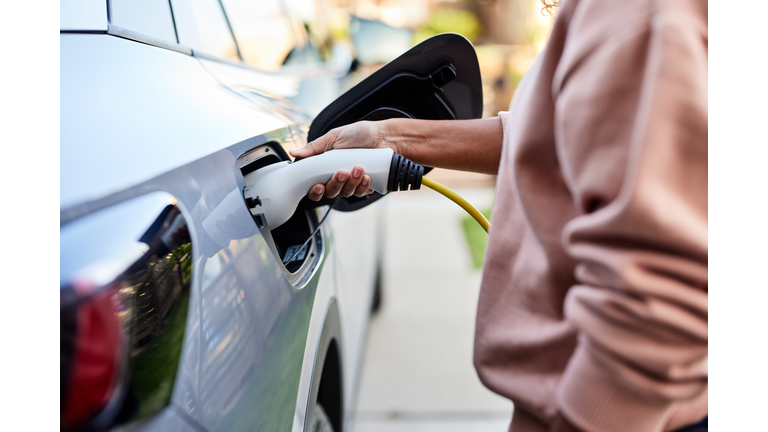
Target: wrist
(390, 135)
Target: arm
(467, 145)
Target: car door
(143, 115)
(148, 134)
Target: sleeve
(631, 132)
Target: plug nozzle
(404, 174)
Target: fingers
(316, 192)
(347, 184)
(316, 147)
(306, 151)
(336, 183)
(353, 182)
(363, 134)
(362, 189)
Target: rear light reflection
(97, 357)
(123, 314)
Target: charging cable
(311, 236)
(453, 196)
(405, 174)
(428, 182)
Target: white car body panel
(137, 118)
(180, 113)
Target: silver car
(181, 309)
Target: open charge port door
(287, 242)
(438, 79)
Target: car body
(178, 310)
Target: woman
(593, 305)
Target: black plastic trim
(460, 85)
(437, 79)
(173, 19)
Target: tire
(319, 421)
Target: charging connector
(404, 174)
(275, 190)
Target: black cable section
(311, 236)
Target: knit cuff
(592, 400)
(503, 116)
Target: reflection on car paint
(190, 115)
(240, 319)
(123, 314)
(247, 324)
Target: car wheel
(319, 422)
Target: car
(180, 307)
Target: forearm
(466, 145)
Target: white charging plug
(280, 186)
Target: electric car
(181, 308)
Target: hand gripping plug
(276, 189)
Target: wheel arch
(327, 377)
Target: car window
(202, 25)
(263, 34)
(148, 17)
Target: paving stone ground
(417, 375)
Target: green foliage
(339, 33)
(183, 254)
(154, 368)
(476, 237)
(154, 365)
(448, 20)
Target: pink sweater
(594, 294)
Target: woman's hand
(465, 145)
(344, 183)
(364, 134)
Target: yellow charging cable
(453, 196)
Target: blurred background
(507, 34)
(417, 374)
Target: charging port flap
(437, 79)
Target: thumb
(316, 147)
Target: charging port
(286, 240)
